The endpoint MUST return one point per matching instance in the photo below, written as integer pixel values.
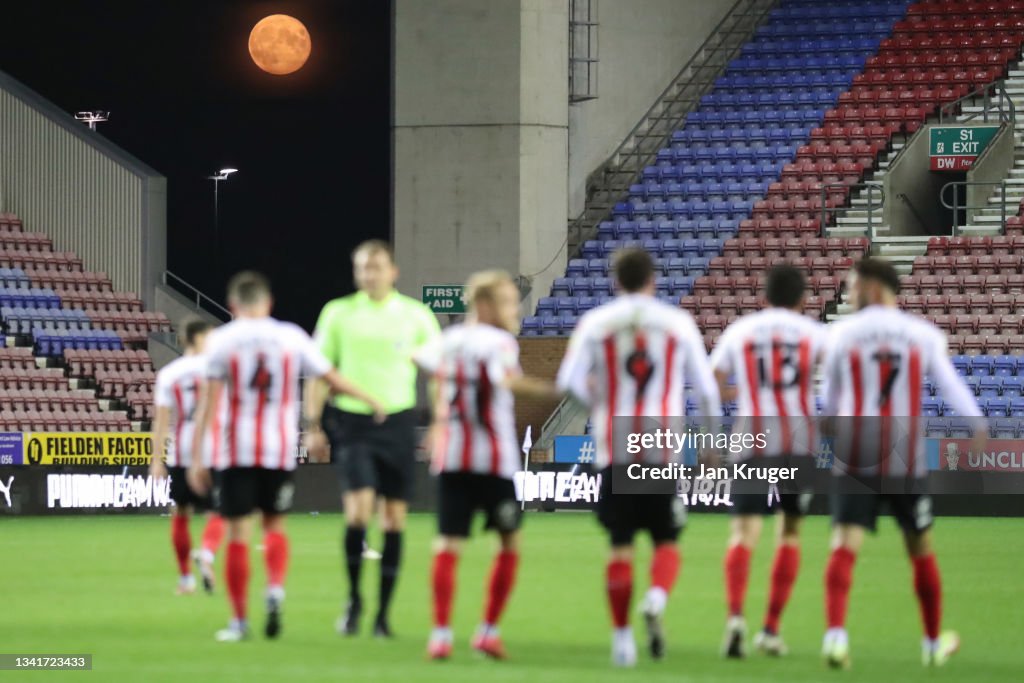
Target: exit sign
(954, 148)
(444, 298)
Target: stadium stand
(74, 354)
(801, 116)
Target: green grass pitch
(104, 585)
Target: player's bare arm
(161, 421)
(314, 438)
(523, 386)
(340, 385)
(198, 475)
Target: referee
(371, 335)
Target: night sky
(313, 148)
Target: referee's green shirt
(371, 343)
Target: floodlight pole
(220, 175)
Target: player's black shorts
(792, 497)
(182, 494)
(913, 511)
(461, 494)
(369, 455)
(662, 515)
(241, 490)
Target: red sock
(737, 570)
(928, 586)
(444, 586)
(784, 570)
(838, 579)
(236, 572)
(213, 533)
(275, 554)
(620, 591)
(665, 566)
(182, 542)
(503, 577)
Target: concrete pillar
(480, 139)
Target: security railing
(874, 203)
(956, 206)
(203, 302)
(995, 102)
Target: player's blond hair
(371, 247)
(483, 286)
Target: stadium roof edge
(44, 106)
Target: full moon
(279, 44)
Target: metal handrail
(913, 210)
(628, 157)
(871, 189)
(193, 292)
(566, 409)
(1007, 112)
(955, 206)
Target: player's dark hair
(374, 247)
(248, 287)
(633, 269)
(195, 328)
(785, 286)
(880, 271)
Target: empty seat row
(41, 260)
(604, 286)
(790, 81)
(993, 344)
(110, 301)
(83, 362)
(954, 304)
(695, 209)
(784, 100)
(984, 264)
(994, 385)
(48, 379)
(22, 321)
(984, 365)
(803, 246)
(18, 239)
(681, 155)
(62, 421)
(16, 357)
(52, 342)
(747, 126)
(673, 265)
(707, 190)
(116, 384)
(753, 265)
(983, 40)
(868, 9)
(961, 246)
(31, 297)
(984, 324)
(826, 286)
(81, 400)
(75, 280)
(962, 284)
(794, 28)
(13, 278)
(730, 306)
(10, 222)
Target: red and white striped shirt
(471, 363)
(873, 371)
(177, 387)
(260, 361)
(772, 355)
(630, 358)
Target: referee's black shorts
(370, 455)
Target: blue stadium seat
(982, 365)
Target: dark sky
(313, 148)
